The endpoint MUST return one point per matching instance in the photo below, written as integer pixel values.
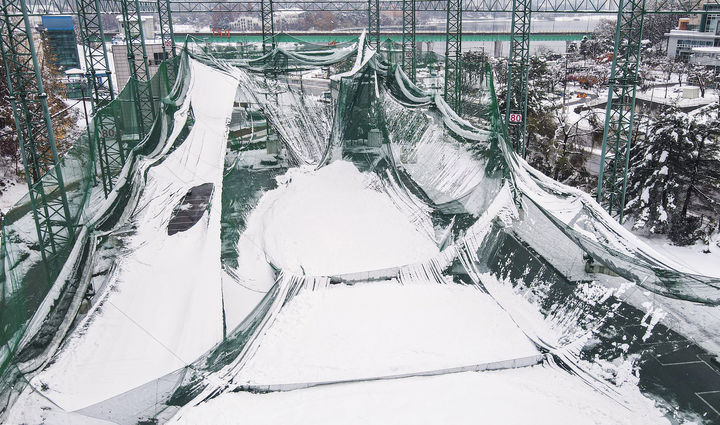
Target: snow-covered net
(500, 226)
(39, 299)
(290, 54)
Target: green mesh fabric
(290, 54)
(374, 97)
(38, 300)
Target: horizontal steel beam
(56, 7)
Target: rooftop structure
(706, 33)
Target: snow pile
(162, 307)
(537, 395)
(380, 329)
(331, 221)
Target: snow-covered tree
(473, 67)
(657, 173)
(701, 201)
(63, 120)
(673, 180)
(701, 76)
(656, 25)
(601, 41)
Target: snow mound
(334, 220)
(379, 329)
(537, 395)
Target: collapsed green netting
(290, 54)
(376, 95)
(39, 300)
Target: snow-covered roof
(691, 34)
(706, 49)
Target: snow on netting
(39, 297)
(479, 216)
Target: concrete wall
(122, 68)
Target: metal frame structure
(453, 55)
(31, 113)
(517, 75)
(167, 36)
(620, 110)
(268, 26)
(63, 7)
(138, 63)
(409, 60)
(92, 36)
(373, 10)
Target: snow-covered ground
(380, 329)
(698, 258)
(674, 95)
(535, 395)
(13, 191)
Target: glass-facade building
(61, 36)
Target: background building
(687, 36)
(122, 68)
(60, 31)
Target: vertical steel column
(167, 36)
(268, 26)
(453, 55)
(28, 99)
(138, 64)
(92, 37)
(374, 23)
(620, 111)
(518, 69)
(409, 61)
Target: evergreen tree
(700, 204)
(658, 172)
(673, 184)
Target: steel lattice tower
(374, 23)
(409, 63)
(620, 111)
(138, 63)
(518, 69)
(35, 134)
(453, 56)
(167, 36)
(92, 36)
(268, 26)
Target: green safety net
(543, 232)
(377, 95)
(290, 54)
(39, 300)
(424, 151)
